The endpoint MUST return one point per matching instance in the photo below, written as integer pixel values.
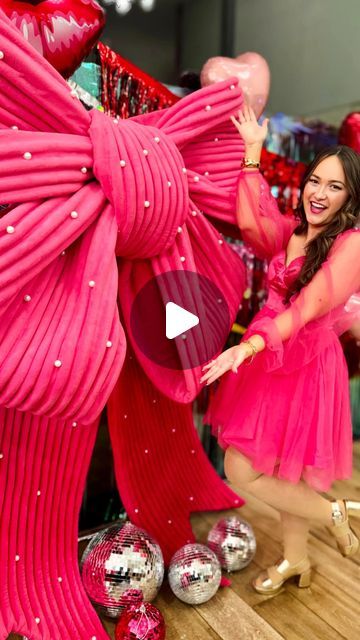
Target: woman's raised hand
(251, 132)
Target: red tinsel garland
(126, 90)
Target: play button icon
(178, 320)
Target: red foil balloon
(144, 622)
(349, 133)
(63, 31)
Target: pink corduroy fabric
(91, 217)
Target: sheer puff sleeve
(262, 225)
(296, 335)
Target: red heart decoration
(251, 70)
(63, 31)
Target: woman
(284, 419)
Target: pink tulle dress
(289, 411)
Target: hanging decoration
(63, 31)
(126, 90)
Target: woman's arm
(262, 225)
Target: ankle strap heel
(304, 579)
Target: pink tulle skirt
(292, 425)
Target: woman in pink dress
(283, 416)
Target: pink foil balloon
(63, 31)
(252, 71)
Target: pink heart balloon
(252, 72)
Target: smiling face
(325, 192)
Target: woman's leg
(296, 499)
(295, 531)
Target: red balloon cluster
(63, 31)
(144, 622)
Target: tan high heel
(266, 584)
(341, 527)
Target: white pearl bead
(173, 430)
(169, 521)
(157, 139)
(146, 450)
(232, 87)
(74, 214)
(125, 416)
(57, 363)
(27, 155)
(169, 183)
(38, 493)
(196, 178)
(154, 400)
(83, 170)
(1, 55)
(15, 128)
(74, 424)
(145, 152)
(206, 173)
(184, 169)
(1, 456)
(37, 620)
(146, 204)
(59, 579)
(184, 337)
(216, 139)
(194, 213)
(179, 230)
(17, 558)
(10, 229)
(221, 241)
(136, 510)
(122, 163)
(92, 284)
(192, 450)
(191, 498)
(63, 253)
(27, 298)
(109, 344)
(208, 107)
(182, 258)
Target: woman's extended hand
(251, 132)
(230, 359)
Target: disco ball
(121, 566)
(233, 541)
(194, 574)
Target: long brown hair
(317, 250)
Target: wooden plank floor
(328, 610)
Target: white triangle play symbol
(178, 320)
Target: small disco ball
(234, 543)
(121, 566)
(194, 574)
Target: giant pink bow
(81, 189)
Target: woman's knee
(238, 468)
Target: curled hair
(346, 218)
